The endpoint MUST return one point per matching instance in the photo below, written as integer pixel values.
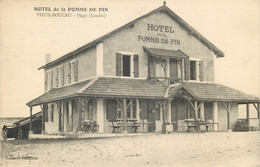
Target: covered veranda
(207, 106)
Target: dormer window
(127, 64)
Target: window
(115, 110)
(73, 71)
(131, 110)
(59, 76)
(193, 70)
(196, 70)
(127, 64)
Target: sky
(233, 26)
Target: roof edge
(164, 9)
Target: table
(191, 124)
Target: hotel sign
(161, 35)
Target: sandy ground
(177, 149)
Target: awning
(211, 92)
(164, 53)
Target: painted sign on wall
(161, 35)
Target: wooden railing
(164, 80)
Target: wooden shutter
(57, 77)
(76, 71)
(187, 68)
(151, 67)
(69, 73)
(62, 75)
(201, 71)
(136, 66)
(51, 79)
(118, 64)
(173, 69)
(46, 81)
(111, 109)
(46, 108)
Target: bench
(118, 124)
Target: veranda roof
(212, 92)
(57, 94)
(125, 87)
(118, 87)
(107, 87)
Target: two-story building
(156, 70)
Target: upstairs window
(193, 70)
(127, 65)
(73, 71)
(59, 76)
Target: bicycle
(90, 126)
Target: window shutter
(173, 69)
(57, 77)
(69, 73)
(118, 64)
(51, 79)
(76, 71)
(187, 68)
(151, 67)
(46, 81)
(46, 108)
(62, 75)
(136, 66)
(201, 71)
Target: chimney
(47, 58)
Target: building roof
(164, 9)
(109, 87)
(212, 92)
(165, 52)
